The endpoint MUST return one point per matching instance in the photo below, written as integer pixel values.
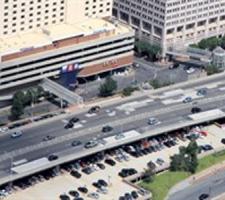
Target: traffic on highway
(100, 128)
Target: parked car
(160, 161)
(52, 157)
(75, 173)
(103, 182)
(94, 109)
(100, 165)
(93, 195)
(83, 190)
(76, 143)
(134, 194)
(74, 193)
(106, 129)
(64, 197)
(17, 134)
(102, 190)
(110, 162)
(91, 144)
(196, 110)
(187, 100)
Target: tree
(17, 108)
(212, 69)
(108, 87)
(186, 160)
(155, 83)
(128, 91)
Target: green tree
(40, 91)
(155, 83)
(186, 160)
(212, 69)
(108, 87)
(128, 91)
(17, 108)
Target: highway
(121, 116)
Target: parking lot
(111, 167)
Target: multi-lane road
(131, 114)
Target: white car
(153, 121)
(3, 129)
(190, 70)
(93, 195)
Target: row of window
(22, 28)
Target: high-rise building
(17, 16)
(172, 23)
(39, 38)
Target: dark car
(110, 162)
(134, 194)
(83, 190)
(128, 196)
(94, 109)
(223, 141)
(64, 197)
(74, 193)
(97, 185)
(203, 196)
(75, 173)
(48, 137)
(201, 92)
(196, 110)
(100, 165)
(68, 125)
(76, 143)
(207, 147)
(103, 182)
(106, 129)
(52, 157)
(74, 120)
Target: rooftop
(43, 37)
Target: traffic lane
(8, 146)
(66, 145)
(37, 134)
(129, 121)
(213, 185)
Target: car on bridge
(91, 144)
(106, 129)
(153, 121)
(17, 134)
(94, 109)
(196, 110)
(203, 196)
(187, 100)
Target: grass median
(163, 182)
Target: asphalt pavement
(213, 185)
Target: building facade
(67, 35)
(172, 23)
(18, 16)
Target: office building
(172, 23)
